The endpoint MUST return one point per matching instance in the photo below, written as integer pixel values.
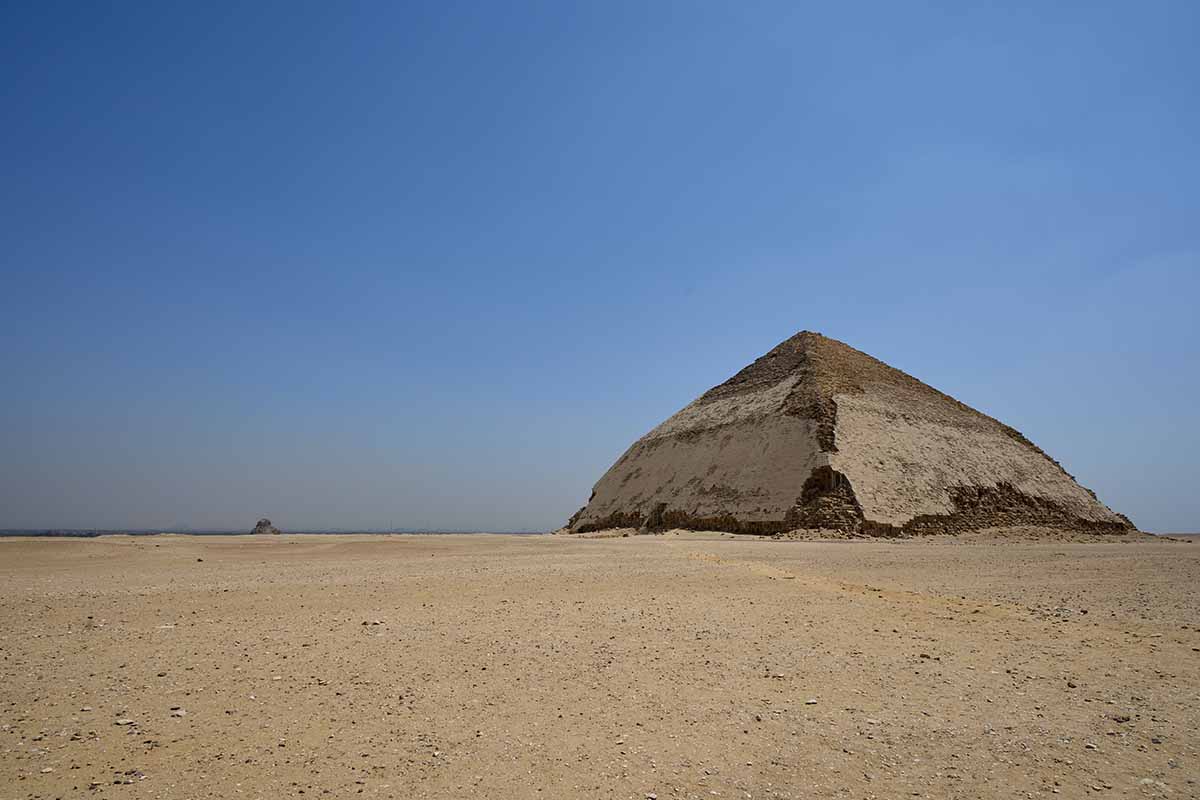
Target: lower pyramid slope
(816, 434)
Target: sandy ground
(525, 667)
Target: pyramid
(816, 434)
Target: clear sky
(352, 265)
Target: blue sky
(349, 265)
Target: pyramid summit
(816, 434)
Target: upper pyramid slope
(817, 434)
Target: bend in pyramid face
(816, 434)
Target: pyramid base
(828, 502)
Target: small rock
(124, 721)
(810, 702)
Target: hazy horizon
(357, 266)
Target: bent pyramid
(816, 434)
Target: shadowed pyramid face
(816, 434)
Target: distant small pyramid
(264, 526)
(816, 434)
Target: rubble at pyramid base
(828, 504)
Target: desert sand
(642, 667)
